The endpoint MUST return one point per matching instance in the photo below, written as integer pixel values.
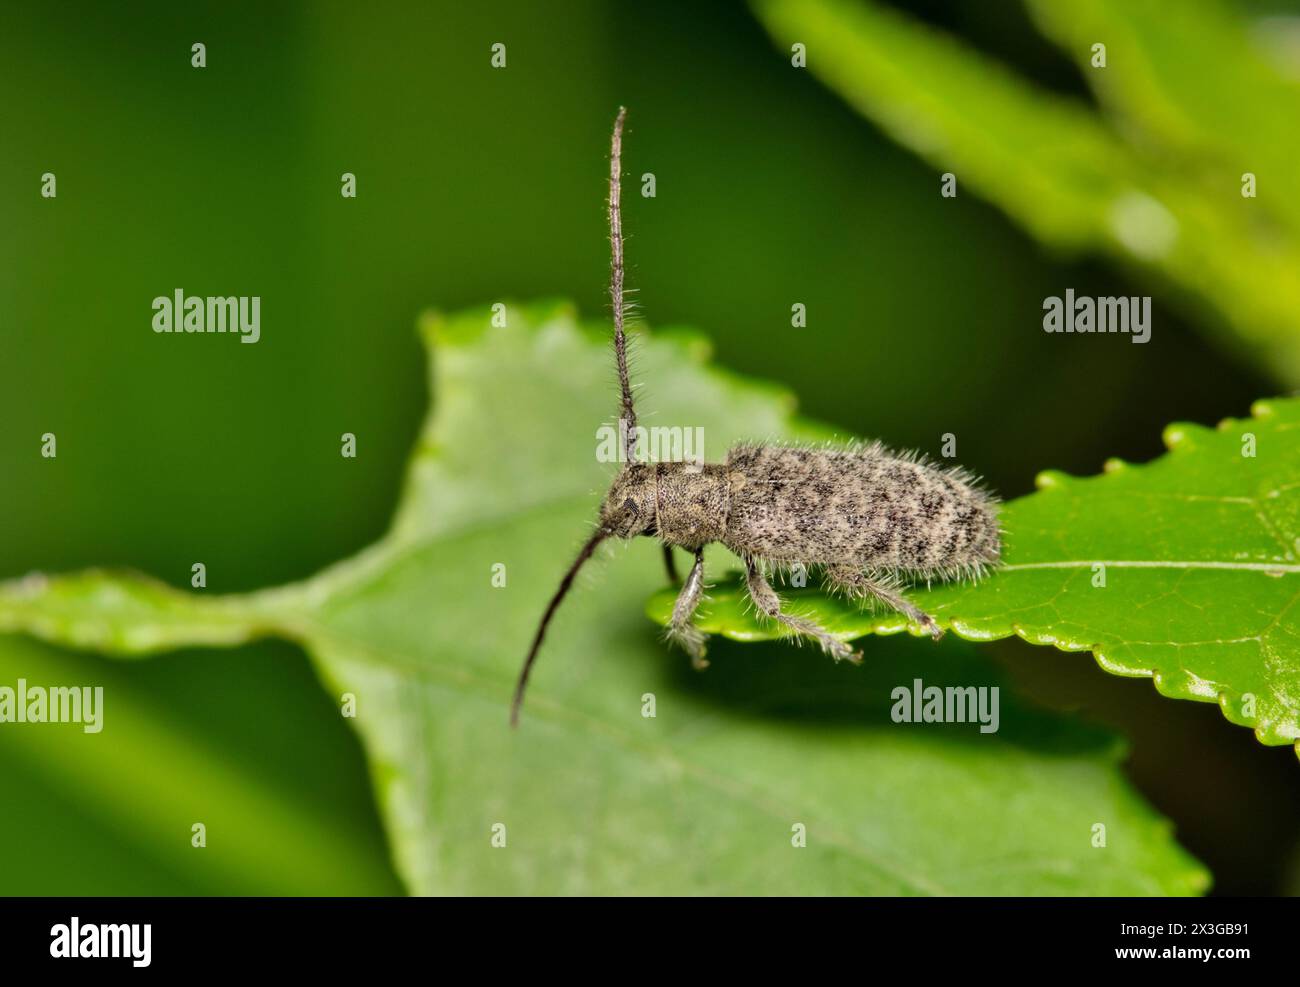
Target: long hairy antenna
(628, 414)
(522, 685)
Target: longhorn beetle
(869, 518)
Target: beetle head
(629, 507)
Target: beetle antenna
(628, 415)
(554, 605)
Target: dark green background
(477, 185)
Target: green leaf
(595, 797)
(1151, 190)
(1183, 570)
(151, 772)
(1194, 78)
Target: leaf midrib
(1268, 567)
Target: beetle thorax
(692, 503)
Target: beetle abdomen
(864, 506)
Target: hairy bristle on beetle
(870, 521)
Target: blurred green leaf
(1183, 570)
(132, 791)
(1156, 184)
(1193, 79)
(594, 796)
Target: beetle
(870, 519)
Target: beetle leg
(670, 565)
(765, 598)
(858, 584)
(680, 629)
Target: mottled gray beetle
(869, 518)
